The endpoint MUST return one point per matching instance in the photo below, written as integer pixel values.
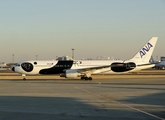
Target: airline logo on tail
(145, 49)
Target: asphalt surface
(99, 99)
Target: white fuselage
(57, 67)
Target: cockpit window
(17, 64)
(28, 67)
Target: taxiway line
(141, 111)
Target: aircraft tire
(82, 78)
(86, 78)
(90, 78)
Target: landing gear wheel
(82, 78)
(86, 78)
(24, 76)
(90, 78)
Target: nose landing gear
(24, 77)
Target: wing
(91, 69)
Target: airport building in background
(4, 66)
(64, 58)
(162, 58)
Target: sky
(51, 28)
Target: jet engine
(70, 74)
(122, 67)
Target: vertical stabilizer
(145, 53)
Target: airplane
(160, 65)
(85, 68)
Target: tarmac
(107, 97)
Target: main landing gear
(86, 78)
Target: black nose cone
(13, 69)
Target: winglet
(145, 53)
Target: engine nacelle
(123, 67)
(70, 74)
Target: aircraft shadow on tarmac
(61, 108)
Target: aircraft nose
(13, 69)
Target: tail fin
(145, 53)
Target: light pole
(36, 57)
(13, 58)
(72, 53)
